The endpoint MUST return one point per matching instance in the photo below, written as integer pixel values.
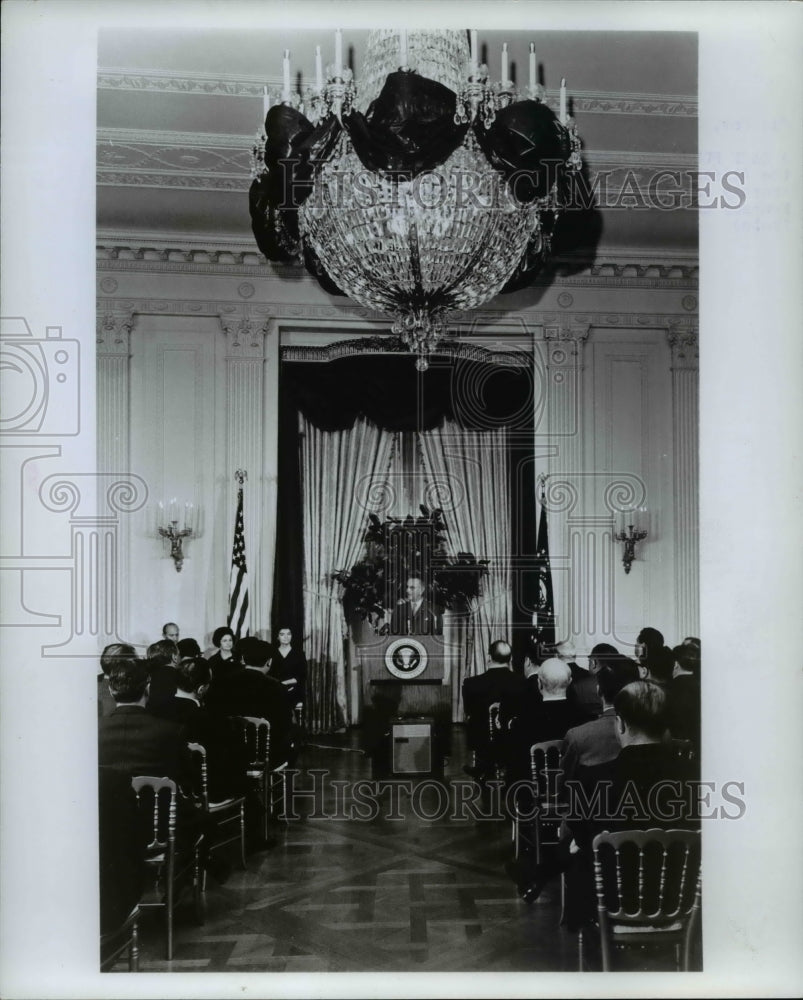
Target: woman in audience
(289, 665)
(224, 660)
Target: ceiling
(177, 112)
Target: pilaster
(683, 345)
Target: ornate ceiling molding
(233, 85)
(212, 162)
(637, 267)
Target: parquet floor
(396, 892)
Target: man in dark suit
(134, 741)
(595, 742)
(415, 615)
(583, 688)
(111, 653)
(162, 659)
(498, 684)
(628, 783)
(684, 694)
(547, 719)
(226, 756)
(245, 689)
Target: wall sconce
(636, 522)
(168, 519)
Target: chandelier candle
(504, 64)
(403, 48)
(533, 67)
(338, 54)
(563, 101)
(286, 76)
(318, 70)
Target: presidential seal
(406, 658)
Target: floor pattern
(393, 892)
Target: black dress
(220, 667)
(282, 668)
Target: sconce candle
(318, 69)
(504, 63)
(338, 53)
(167, 523)
(533, 66)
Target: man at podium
(415, 615)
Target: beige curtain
(467, 475)
(337, 468)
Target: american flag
(544, 611)
(239, 613)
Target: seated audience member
(162, 658)
(658, 667)
(549, 719)
(226, 757)
(288, 665)
(245, 689)
(224, 659)
(133, 740)
(121, 848)
(684, 694)
(648, 642)
(497, 684)
(110, 654)
(596, 742)
(170, 631)
(583, 688)
(629, 800)
(188, 647)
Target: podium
(408, 670)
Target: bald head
(554, 676)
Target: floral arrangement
(371, 586)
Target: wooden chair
(227, 815)
(498, 730)
(648, 888)
(542, 829)
(271, 779)
(116, 943)
(158, 797)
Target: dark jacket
(497, 684)
(138, 743)
(424, 621)
(244, 691)
(162, 685)
(226, 757)
(538, 722)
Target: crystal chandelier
(427, 189)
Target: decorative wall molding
(234, 85)
(349, 313)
